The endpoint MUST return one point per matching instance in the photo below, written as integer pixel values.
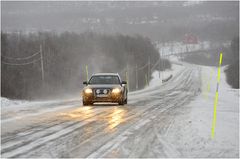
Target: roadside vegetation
(232, 71)
(211, 58)
(65, 58)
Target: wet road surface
(105, 130)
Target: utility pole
(42, 69)
(86, 67)
(136, 77)
(149, 69)
(127, 77)
(163, 64)
(159, 65)
(187, 50)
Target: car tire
(121, 102)
(125, 101)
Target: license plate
(102, 95)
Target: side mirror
(85, 82)
(124, 82)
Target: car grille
(101, 91)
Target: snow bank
(16, 109)
(7, 102)
(194, 126)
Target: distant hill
(161, 21)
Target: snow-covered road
(143, 128)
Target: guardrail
(165, 80)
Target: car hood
(103, 86)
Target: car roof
(107, 74)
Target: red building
(190, 39)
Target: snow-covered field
(171, 119)
(179, 47)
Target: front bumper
(115, 98)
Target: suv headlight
(116, 90)
(88, 90)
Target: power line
(142, 67)
(27, 63)
(156, 64)
(21, 58)
(16, 64)
(136, 69)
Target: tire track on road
(65, 130)
(111, 144)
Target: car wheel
(125, 101)
(84, 103)
(121, 102)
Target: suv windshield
(104, 79)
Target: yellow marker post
(87, 72)
(216, 98)
(146, 79)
